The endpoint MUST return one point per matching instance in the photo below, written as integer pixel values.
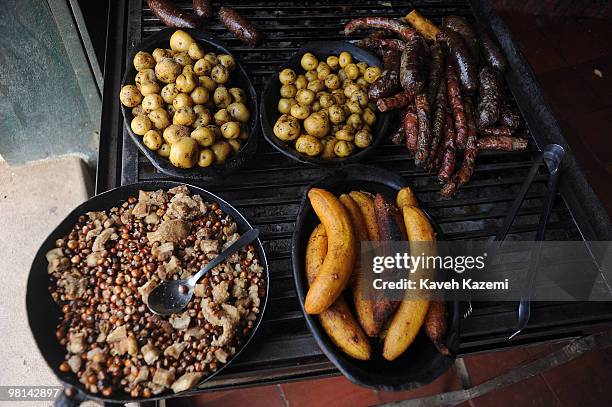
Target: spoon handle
(244, 240)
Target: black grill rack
(269, 189)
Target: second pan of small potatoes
(238, 78)
(271, 96)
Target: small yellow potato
(309, 145)
(238, 95)
(352, 72)
(160, 54)
(288, 91)
(200, 95)
(345, 58)
(169, 92)
(300, 111)
(316, 86)
(205, 136)
(202, 119)
(182, 100)
(309, 61)
(159, 117)
(363, 138)
(353, 107)
(323, 70)
(362, 68)
(372, 74)
(207, 83)
(343, 148)
(143, 60)
(350, 88)
(221, 150)
(346, 133)
(221, 117)
(287, 128)
(140, 125)
(230, 130)
(149, 88)
(287, 76)
(167, 70)
(329, 143)
(180, 41)
(186, 83)
(336, 114)
(206, 158)
(333, 62)
(235, 144)
(326, 100)
(164, 150)
(317, 124)
(222, 97)
(332, 82)
(301, 82)
(184, 153)
(311, 75)
(227, 61)
(284, 105)
(360, 96)
(183, 59)
(184, 116)
(239, 112)
(202, 67)
(212, 58)
(368, 116)
(138, 111)
(339, 97)
(195, 51)
(152, 102)
(219, 74)
(130, 96)
(153, 140)
(144, 76)
(305, 96)
(175, 132)
(355, 121)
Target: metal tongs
(552, 156)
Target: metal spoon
(171, 297)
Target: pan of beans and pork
(89, 282)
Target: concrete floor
(34, 198)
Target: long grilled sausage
(436, 72)
(438, 123)
(410, 123)
(424, 139)
(202, 9)
(171, 15)
(449, 158)
(496, 131)
(396, 101)
(491, 52)
(490, 96)
(455, 101)
(466, 170)
(463, 28)
(388, 82)
(412, 66)
(402, 30)
(379, 45)
(243, 29)
(462, 60)
(502, 143)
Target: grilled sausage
(202, 9)
(410, 123)
(496, 131)
(379, 45)
(390, 229)
(171, 15)
(502, 143)
(380, 34)
(402, 30)
(490, 96)
(462, 60)
(436, 324)
(455, 102)
(412, 66)
(396, 101)
(466, 170)
(449, 157)
(424, 139)
(388, 82)
(463, 28)
(509, 117)
(438, 123)
(491, 52)
(436, 72)
(243, 29)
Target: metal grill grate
(269, 189)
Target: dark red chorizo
(379, 45)
(449, 157)
(386, 85)
(242, 28)
(436, 72)
(502, 143)
(490, 96)
(410, 124)
(438, 123)
(496, 131)
(412, 65)
(491, 52)
(396, 101)
(392, 24)
(462, 59)
(397, 137)
(455, 101)
(463, 28)
(171, 15)
(509, 117)
(424, 139)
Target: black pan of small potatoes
(287, 107)
(190, 109)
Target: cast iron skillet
(421, 363)
(271, 96)
(238, 78)
(43, 312)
